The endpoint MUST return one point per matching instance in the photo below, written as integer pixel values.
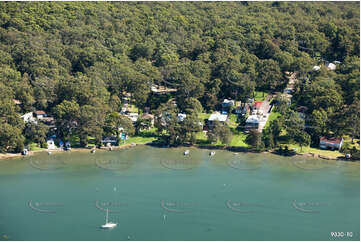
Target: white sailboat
(108, 225)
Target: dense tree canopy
(77, 60)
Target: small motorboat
(108, 225)
(186, 152)
(212, 153)
(92, 151)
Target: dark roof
(302, 109)
(334, 140)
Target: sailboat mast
(106, 221)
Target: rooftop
(181, 116)
(257, 104)
(218, 117)
(147, 116)
(40, 112)
(333, 140)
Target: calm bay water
(160, 194)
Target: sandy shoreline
(231, 149)
(16, 155)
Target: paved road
(266, 104)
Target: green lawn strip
(272, 116)
(203, 116)
(238, 139)
(145, 136)
(308, 149)
(260, 96)
(34, 147)
(138, 140)
(132, 109)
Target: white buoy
(115, 189)
(49, 153)
(186, 152)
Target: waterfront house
(51, 144)
(112, 140)
(331, 143)
(256, 121)
(216, 116)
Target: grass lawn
(35, 146)
(238, 139)
(272, 116)
(204, 116)
(145, 136)
(232, 120)
(139, 140)
(308, 149)
(132, 109)
(259, 96)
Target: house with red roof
(40, 114)
(331, 143)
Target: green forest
(78, 61)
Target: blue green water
(160, 194)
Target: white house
(133, 117)
(110, 140)
(28, 117)
(217, 116)
(51, 144)
(316, 68)
(256, 122)
(181, 117)
(331, 66)
(227, 103)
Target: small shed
(331, 143)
